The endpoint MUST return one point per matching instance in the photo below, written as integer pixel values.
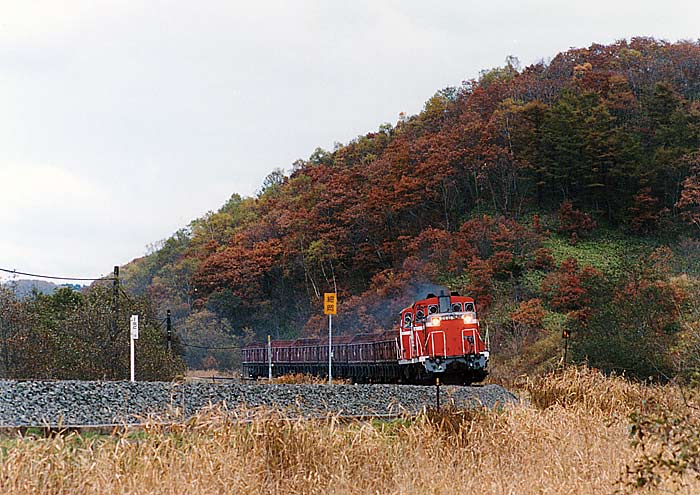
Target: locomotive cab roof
(446, 301)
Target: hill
(564, 196)
(25, 287)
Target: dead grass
(597, 393)
(292, 378)
(211, 375)
(572, 438)
(303, 378)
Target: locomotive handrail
(444, 341)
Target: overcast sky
(121, 121)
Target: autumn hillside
(563, 196)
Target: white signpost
(134, 336)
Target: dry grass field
(579, 432)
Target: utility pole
(115, 322)
(5, 353)
(169, 330)
(115, 301)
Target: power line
(223, 348)
(119, 289)
(15, 272)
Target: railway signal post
(437, 393)
(330, 302)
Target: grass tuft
(579, 433)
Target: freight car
(438, 336)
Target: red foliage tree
(240, 268)
(574, 222)
(645, 212)
(436, 247)
(480, 279)
(689, 202)
(529, 314)
(542, 259)
(570, 288)
(504, 242)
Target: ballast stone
(66, 403)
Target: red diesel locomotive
(438, 336)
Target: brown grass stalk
(572, 438)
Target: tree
(636, 329)
(689, 202)
(527, 319)
(574, 222)
(645, 212)
(272, 182)
(587, 155)
(572, 289)
(69, 335)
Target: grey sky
(121, 121)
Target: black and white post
(134, 336)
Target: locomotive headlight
(435, 320)
(469, 318)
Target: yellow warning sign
(330, 302)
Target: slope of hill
(564, 196)
(24, 287)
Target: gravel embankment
(36, 403)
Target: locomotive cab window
(432, 309)
(444, 302)
(457, 307)
(469, 307)
(407, 320)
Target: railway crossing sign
(330, 303)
